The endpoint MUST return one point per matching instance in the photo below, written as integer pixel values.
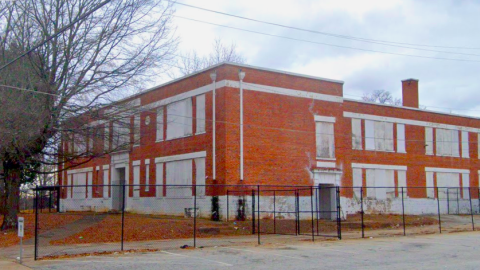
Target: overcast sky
(443, 83)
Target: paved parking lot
(446, 251)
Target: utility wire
(327, 44)
(63, 29)
(376, 41)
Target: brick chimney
(410, 93)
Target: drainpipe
(241, 75)
(213, 76)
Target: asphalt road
(446, 251)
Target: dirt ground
(10, 238)
(154, 227)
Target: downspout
(241, 75)
(213, 76)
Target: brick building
(268, 127)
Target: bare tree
(382, 97)
(55, 92)
(192, 62)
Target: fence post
(339, 217)
(123, 214)
(403, 214)
(471, 208)
(253, 211)
(258, 213)
(448, 200)
(274, 215)
(438, 205)
(36, 225)
(195, 217)
(311, 208)
(228, 208)
(361, 211)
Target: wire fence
(92, 219)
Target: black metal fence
(111, 218)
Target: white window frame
(147, 175)
(159, 179)
(357, 134)
(200, 114)
(181, 120)
(136, 130)
(325, 136)
(465, 146)
(429, 141)
(160, 127)
(136, 179)
(401, 147)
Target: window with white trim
(447, 142)
(465, 147)
(136, 130)
(179, 176)
(179, 119)
(379, 136)
(449, 185)
(429, 141)
(200, 176)
(357, 134)
(147, 177)
(325, 139)
(200, 114)
(121, 134)
(160, 124)
(136, 180)
(106, 137)
(380, 183)
(159, 179)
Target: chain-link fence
(102, 219)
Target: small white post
(21, 225)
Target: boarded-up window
(455, 143)
(402, 183)
(121, 134)
(106, 183)
(369, 135)
(136, 181)
(179, 173)
(380, 184)
(200, 176)
(200, 111)
(79, 186)
(447, 142)
(160, 124)
(357, 134)
(429, 185)
(147, 177)
(401, 138)
(357, 182)
(379, 136)
(179, 119)
(325, 140)
(465, 148)
(428, 141)
(466, 185)
(159, 179)
(136, 130)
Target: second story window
(160, 124)
(200, 121)
(179, 119)
(136, 130)
(325, 139)
(447, 142)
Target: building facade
(234, 124)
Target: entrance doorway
(118, 181)
(327, 201)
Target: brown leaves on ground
(100, 253)
(46, 222)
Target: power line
(63, 29)
(328, 44)
(376, 41)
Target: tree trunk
(12, 187)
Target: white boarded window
(179, 119)
(147, 177)
(465, 147)
(357, 134)
(160, 124)
(447, 142)
(179, 173)
(429, 185)
(455, 143)
(369, 135)
(370, 174)
(357, 182)
(200, 111)
(388, 137)
(106, 186)
(379, 136)
(466, 185)
(401, 138)
(200, 176)
(402, 183)
(136, 181)
(159, 180)
(79, 186)
(136, 130)
(325, 140)
(428, 141)
(121, 134)
(89, 185)
(380, 184)
(448, 185)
